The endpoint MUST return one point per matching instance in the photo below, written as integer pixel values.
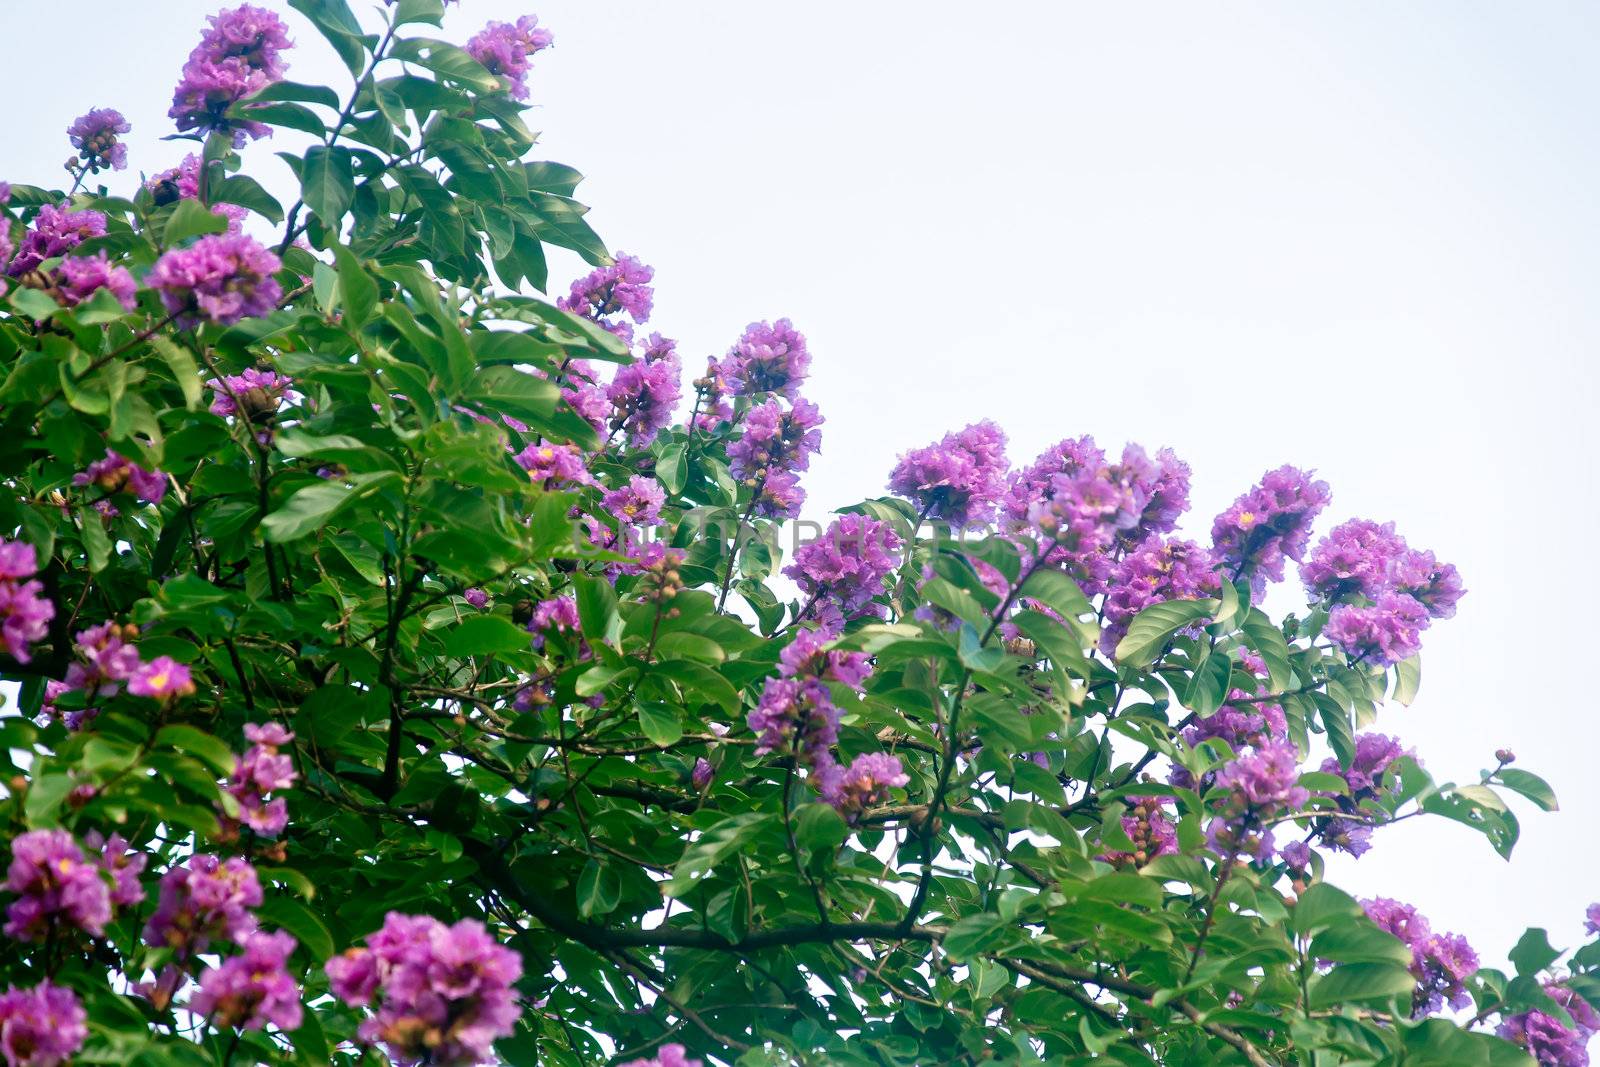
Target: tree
(394, 683)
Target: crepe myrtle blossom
(94, 135)
(504, 49)
(810, 655)
(221, 278)
(702, 775)
(258, 779)
(1591, 919)
(107, 658)
(1266, 780)
(44, 1026)
(1355, 557)
(670, 1055)
(842, 571)
(867, 781)
(80, 277)
(775, 438)
(1440, 963)
(1551, 1042)
(556, 615)
(203, 900)
(478, 598)
(257, 393)
(1383, 633)
(444, 992)
(1153, 571)
(163, 678)
(55, 232)
(958, 479)
(644, 394)
(769, 357)
(118, 859)
(1374, 753)
(54, 884)
(1148, 825)
(622, 288)
(25, 612)
(183, 183)
(554, 466)
(639, 501)
(252, 989)
(116, 473)
(239, 54)
(1268, 524)
(1434, 585)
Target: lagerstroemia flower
(670, 1055)
(1382, 633)
(261, 774)
(1150, 829)
(622, 288)
(54, 883)
(1356, 557)
(44, 1026)
(504, 49)
(94, 135)
(221, 278)
(1591, 919)
(1268, 524)
(770, 357)
(843, 570)
(25, 612)
(1434, 585)
(639, 501)
(116, 473)
(776, 438)
(1373, 756)
(252, 989)
(203, 900)
(1266, 780)
(1549, 1040)
(257, 393)
(644, 394)
(809, 655)
(554, 466)
(183, 181)
(80, 277)
(958, 479)
(478, 598)
(1440, 963)
(163, 678)
(556, 615)
(865, 782)
(55, 232)
(1152, 572)
(123, 864)
(444, 992)
(106, 658)
(238, 55)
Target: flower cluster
(1269, 523)
(25, 612)
(1153, 571)
(94, 135)
(41, 1027)
(54, 884)
(55, 232)
(260, 773)
(556, 615)
(606, 293)
(221, 278)
(445, 991)
(1441, 963)
(958, 479)
(252, 989)
(669, 1055)
(238, 55)
(842, 572)
(183, 183)
(117, 474)
(554, 466)
(504, 49)
(776, 443)
(1148, 826)
(256, 394)
(1549, 1040)
(200, 901)
(770, 357)
(1374, 753)
(163, 679)
(80, 277)
(1260, 783)
(645, 393)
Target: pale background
(1356, 237)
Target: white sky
(1355, 237)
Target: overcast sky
(1359, 238)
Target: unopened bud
(1505, 755)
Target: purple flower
(476, 597)
(1034, 484)
(505, 48)
(55, 232)
(776, 439)
(1162, 484)
(865, 782)
(1440, 963)
(123, 865)
(184, 180)
(41, 1027)
(623, 288)
(554, 466)
(252, 989)
(25, 612)
(206, 898)
(770, 357)
(638, 502)
(644, 394)
(1548, 1040)
(1267, 780)
(1346, 835)
(53, 882)
(557, 615)
(1269, 523)
(1591, 920)
(107, 658)
(1383, 633)
(79, 277)
(221, 278)
(258, 392)
(1152, 572)
(163, 678)
(116, 473)
(1297, 855)
(1434, 585)
(446, 991)
(1356, 557)
(842, 571)
(1151, 830)
(667, 1056)
(808, 655)
(959, 479)
(94, 135)
(702, 774)
(779, 496)
(239, 55)
(1374, 753)
(262, 772)
(794, 709)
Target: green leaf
(245, 191)
(1341, 738)
(1150, 630)
(972, 652)
(1321, 906)
(191, 218)
(513, 392)
(597, 608)
(313, 507)
(34, 304)
(1361, 982)
(1529, 785)
(203, 746)
(1408, 679)
(45, 796)
(1055, 640)
(713, 846)
(596, 678)
(184, 371)
(819, 828)
(1207, 686)
(1533, 952)
(1261, 635)
(1359, 942)
(357, 291)
(485, 635)
(445, 59)
(327, 183)
(971, 936)
(1057, 592)
(672, 468)
(306, 926)
(335, 22)
(599, 889)
(660, 723)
